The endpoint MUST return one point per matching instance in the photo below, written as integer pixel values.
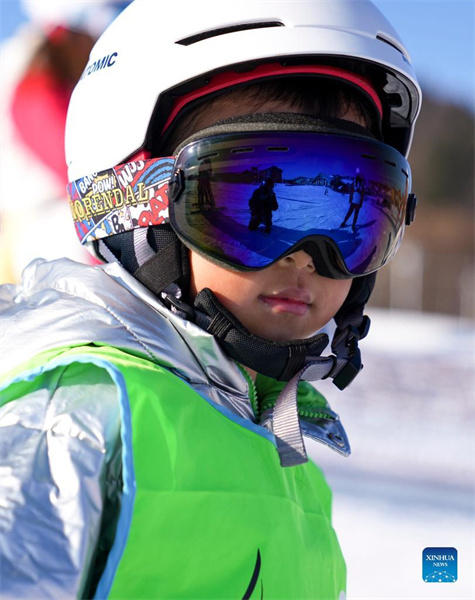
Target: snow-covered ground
(409, 483)
(231, 219)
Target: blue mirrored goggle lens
(248, 199)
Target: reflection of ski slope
(293, 220)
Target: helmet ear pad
(351, 312)
(169, 264)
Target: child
(150, 410)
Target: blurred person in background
(40, 66)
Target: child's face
(288, 300)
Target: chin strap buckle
(171, 297)
(345, 348)
(351, 369)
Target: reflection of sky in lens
(314, 184)
(307, 156)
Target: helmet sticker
(120, 199)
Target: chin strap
(292, 361)
(279, 360)
(342, 367)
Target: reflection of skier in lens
(261, 205)
(205, 193)
(356, 199)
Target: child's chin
(283, 334)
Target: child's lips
(291, 301)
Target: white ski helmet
(157, 57)
(157, 60)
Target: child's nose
(300, 260)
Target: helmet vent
(392, 43)
(193, 39)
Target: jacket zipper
(252, 391)
(306, 413)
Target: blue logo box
(439, 565)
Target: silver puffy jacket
(59, 452)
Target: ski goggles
(247, 199)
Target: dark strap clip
(351, 369)
(176, 305)
(345, 342)
(346, 348)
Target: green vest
(207, 511)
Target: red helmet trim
(229, 78)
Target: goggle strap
(119, 199)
